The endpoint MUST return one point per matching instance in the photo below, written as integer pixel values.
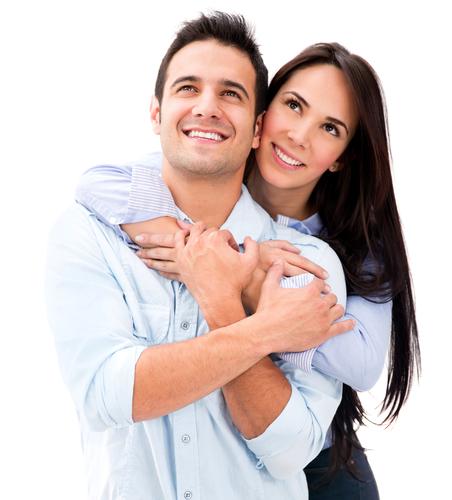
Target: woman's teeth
(287, 159)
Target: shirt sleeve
(329, 260)
(357, 357)
(125, 194)
(92, 324)
(297, 435)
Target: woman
(323, 164)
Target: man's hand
(211, 266)
(293, 264)
(297, 319)
(158, 253)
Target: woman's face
(306, 128)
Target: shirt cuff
(279, 435)
(299, 281)
(302, 360)
(112, 392)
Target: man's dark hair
(230, 30)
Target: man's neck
(204, 198)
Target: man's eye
(231, 93)
(187, 88)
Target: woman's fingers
(161, 265)
(306, 265)
(339, 327)
(283, 245)
(152, 240)
(160, 253)
(290, 270)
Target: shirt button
(185, 325)
(185, 438)
(188, 494)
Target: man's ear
(258, 131)
(155, 115)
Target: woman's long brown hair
(361, 223)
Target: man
(177, 397)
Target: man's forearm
(256, 397)
(170, 376)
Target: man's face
(206, 117)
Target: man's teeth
(205, 135)
(287, 159)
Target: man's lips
(211, 135)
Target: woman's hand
(293, 264)
(156, 239)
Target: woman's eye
(331, 129)
(293, 105)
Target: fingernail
(139, 238)
(325, 274)
(327, 288)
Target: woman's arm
(357, 357)
(126, 194)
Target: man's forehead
(213, 62)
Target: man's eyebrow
(329, 118)
(225, 82)
(187, 78)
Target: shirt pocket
(152, 323)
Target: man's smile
(205, 134)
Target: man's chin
(198, 164)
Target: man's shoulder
(74, 223)
(73, 214)
(275, 230)
(265, 228)
(151, 160)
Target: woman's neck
(292, 203)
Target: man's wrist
(221, 311)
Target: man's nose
(207, 105)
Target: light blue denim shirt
(105, 308)
(135, 192)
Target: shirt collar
(312, 225)
(246, 218)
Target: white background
(76, 82)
